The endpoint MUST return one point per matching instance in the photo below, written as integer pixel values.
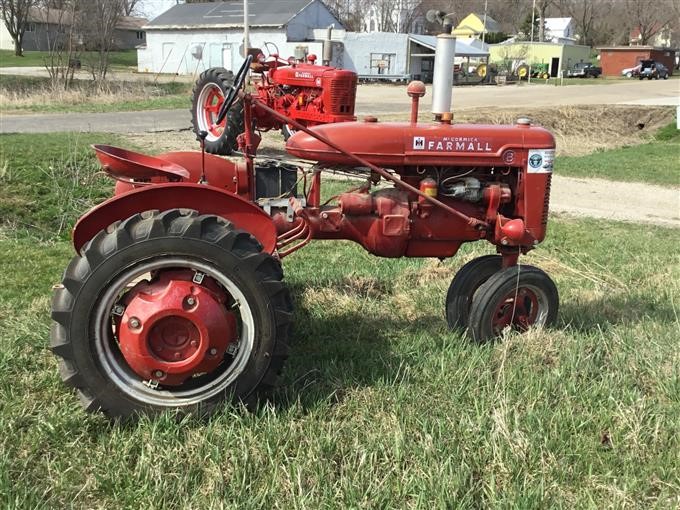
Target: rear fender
(203, 198)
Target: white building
(189, 38)
(394, 16)
(560, 30)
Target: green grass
(654, 163)
(117, 59)
(43, 191)
(380, 405)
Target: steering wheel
(235, 87)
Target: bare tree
(129, 7)
(649, 17)
(15, 15)
(99, 19)
(63, 44)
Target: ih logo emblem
(419, 142)
(536, 160)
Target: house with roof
(189, 38)
(560, 30)
(476, 26)
(47, 27)
(657, 36)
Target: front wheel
(464, 285)
(207, 98)
(170, 311)
(515, 298)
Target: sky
(152, 8)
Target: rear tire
(208, 95)
(464, 285)
(515, 298)
(287, 131)
(100, 282)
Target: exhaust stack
(442, 82)
(328, 47)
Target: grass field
(117, 59)
(654, 163)
(24, 94)
(380, 405)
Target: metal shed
(189, 38)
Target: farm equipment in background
(308, 93)
(176, 300)
(535, 70)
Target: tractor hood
(396, 144)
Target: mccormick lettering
(304, 74)
(452, 144)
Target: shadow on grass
(343, 350)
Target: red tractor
(308, 93)
(176, 300)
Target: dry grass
(578, 130)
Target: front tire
(516, 298)
(208, 95)
(239, 341)
(464, 285)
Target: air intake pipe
(442, 83)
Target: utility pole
(531, 46)
(486, 6)
(246, 30)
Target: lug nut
(158, 374)
(194, 343)
(178, 355)
(134, 323)
(212, 351)
(191, 300)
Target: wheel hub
(173, 329)
(518, 309)
(211, 101)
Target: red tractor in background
(175, 299)
(308, 93)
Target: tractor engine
(311, 94)
(499, 175)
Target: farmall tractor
(176, 300)
(307, 93)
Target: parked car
(584, 70)
(651, 69)
(629, 72)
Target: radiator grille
(546, 202)
(342, 96)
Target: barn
(616, 58)
(189, 38)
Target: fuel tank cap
(523, 121)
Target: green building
(559, 57)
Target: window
(140, 35)
(30, 27)
(381, 63)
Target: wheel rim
(519, 309)
(202, 386)
(209, 102)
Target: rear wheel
(287, 131)
(515, 298)
(208, 95)
(464, 285)
(170, 311)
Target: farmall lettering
(304, 75)
(452, 144)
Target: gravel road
(374, 99)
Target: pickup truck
(584, 70)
